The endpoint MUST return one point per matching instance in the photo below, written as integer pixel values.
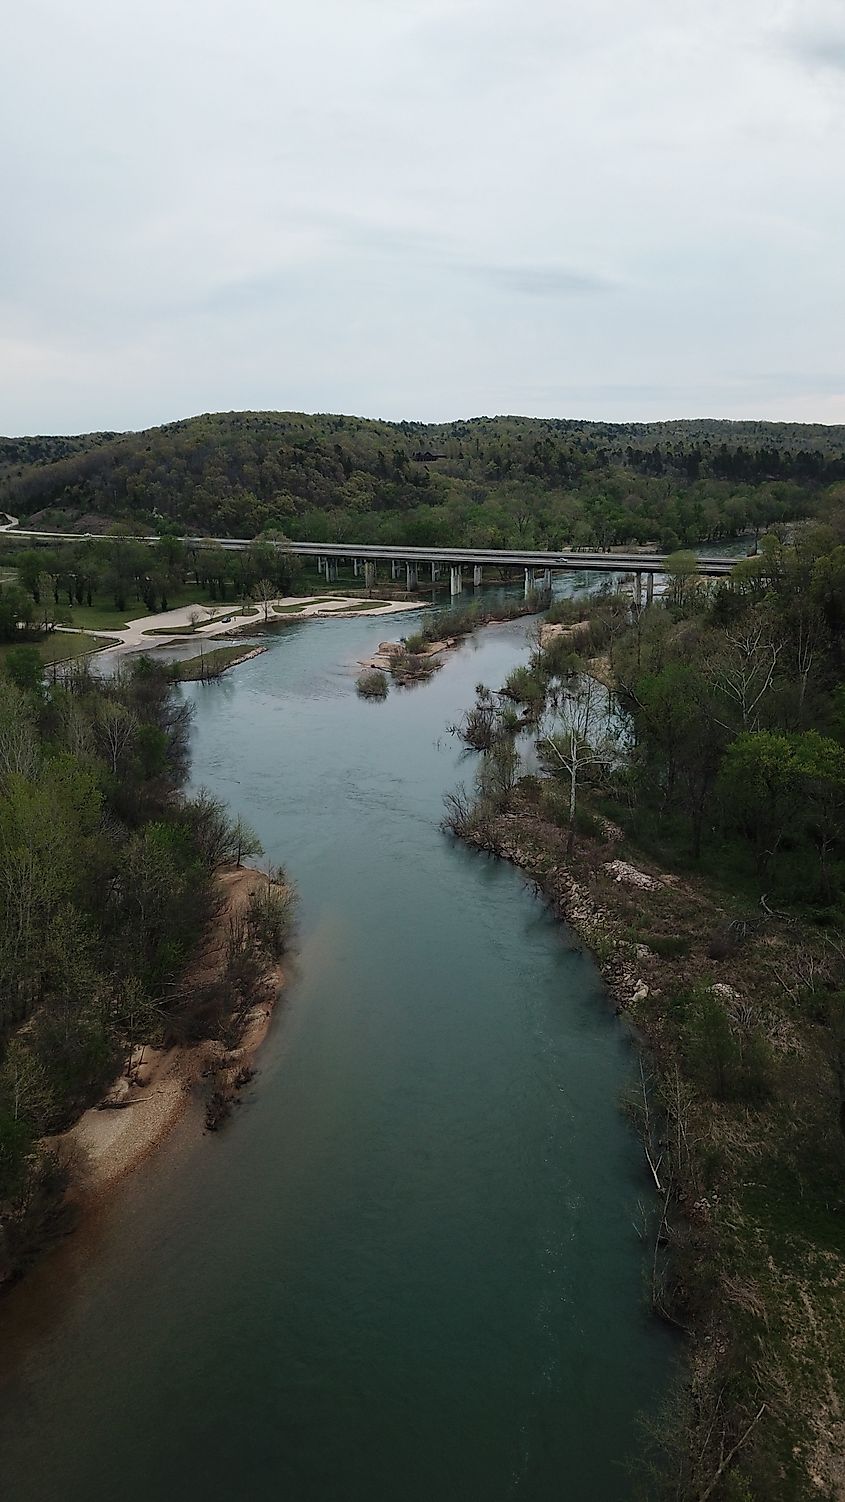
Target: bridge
(538, 565)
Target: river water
(406, 1271)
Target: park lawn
(208, 664)
(298, 607)
(101, 615)
(60, 646)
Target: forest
(687, 818)
(492, 482)
(107, 884)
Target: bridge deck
(595, 562)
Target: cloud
(624, 209)
(542, 281)
(818, 49)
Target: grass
(102, 614)
(299, 606)
(208, 664)
(60, 646)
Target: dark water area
(407, 1270)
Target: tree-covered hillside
(486, 481)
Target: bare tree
(745, 670)
(264, 592)
(118, 728)
(810, 635)
(580, 741)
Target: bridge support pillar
(356, 564)
(411, 580)
(649, 588)
(638, 589)
(395, 570)
(546, 581)
(369, 573)
(476, 575)
(435, 572)
(331, 570)
(456, 583)
(529, 581)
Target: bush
(564, 612)
(726, 1061)
(272, 910)
(525, 687)
(372, 684)
(668, 946)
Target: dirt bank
(139, 1109)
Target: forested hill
(487, 481)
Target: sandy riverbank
(136, 1114)
(201, 622)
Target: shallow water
(407, 1269)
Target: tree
(26, 670)
(579, 739)
(118, 729)
(759, 782)
(681, 573)
(245, 841)
(264, 592)
(743, 669)
(820, 764)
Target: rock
(622, 871)
(641, 993)
(720, 988)
(117, 1096)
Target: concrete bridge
(538, 565)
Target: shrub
(525, 687)
(272, 909)
(372, 684)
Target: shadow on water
(408, 1267)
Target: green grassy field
(208, 664)
(101, 615)
(60, 646)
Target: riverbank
(746, 1258)
(211, 664)
(201, 622)
(417, 657)
(157, 1085)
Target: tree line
(107, 882)
(133, 575)
(497, 482)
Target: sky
(617, 209)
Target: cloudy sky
(421, 208)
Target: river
(406, 1271)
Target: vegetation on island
(107, 885)
(487, 482)
(688, 819)
(372, 684)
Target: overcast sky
(421, 208)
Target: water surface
(407, 1270)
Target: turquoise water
(407, 1269)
